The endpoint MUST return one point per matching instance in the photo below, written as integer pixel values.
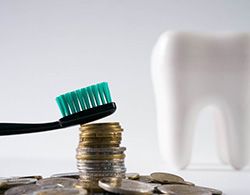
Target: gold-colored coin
(91, 125)
(96, 127)
(100, 139)
(101, 131)
(145, 179)
(102, 145)
(92, 144)
(166, 178)
(89, 185)
(101, 134)
(132, 176)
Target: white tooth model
(191, 71)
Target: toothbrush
(77, 107)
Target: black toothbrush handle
(82, 117)
(22, 128)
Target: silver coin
(65, 182)
(104, 164)
(102, 169)
(108, 150)
(111, 174)
(60, 191)
(179, 189)
(15, 181)
(102, 161)
(74, 175)
(96, 178)
(212, 190)
(23, 189)
(37, 177)
(124, 186)
(20, 181)
(111, 170)
(189, 183)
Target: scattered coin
(55, 181)
(38, 177)
(60, 191)
(23, 189)
(133, 176)
(189, 183)
(165, 178)
(212, 190)
(74, 175)
(124, 186)
(15, 181)
(179, 189)
(145, 179)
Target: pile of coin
(34, 185)
(99, 154)
(65, 184)
(155, 183)
(101, 170)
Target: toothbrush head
(85, 105)
(84, 98)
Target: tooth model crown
(194, 70)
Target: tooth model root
(191, 71)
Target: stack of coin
(99, 154)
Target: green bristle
(79, 96)
(91, 96)
(85, 98)
(107, 93)
(60, 104)
(96, 96)
(101, 93)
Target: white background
(49, 47)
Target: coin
(74, 175)
(187, 183)
(99, 154)
(23, 189)
(123, 186)
(100, 139)
(166, 178)
(91, 186)
(102, 174)
(101, 134)
(132, 176)
(52, 181)
(178, 189)
(15, 181)
(111, 149)
(31, 177)
(100, 157)
(99, 125)
(60, 191)
(146, 179)
(212, 190)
